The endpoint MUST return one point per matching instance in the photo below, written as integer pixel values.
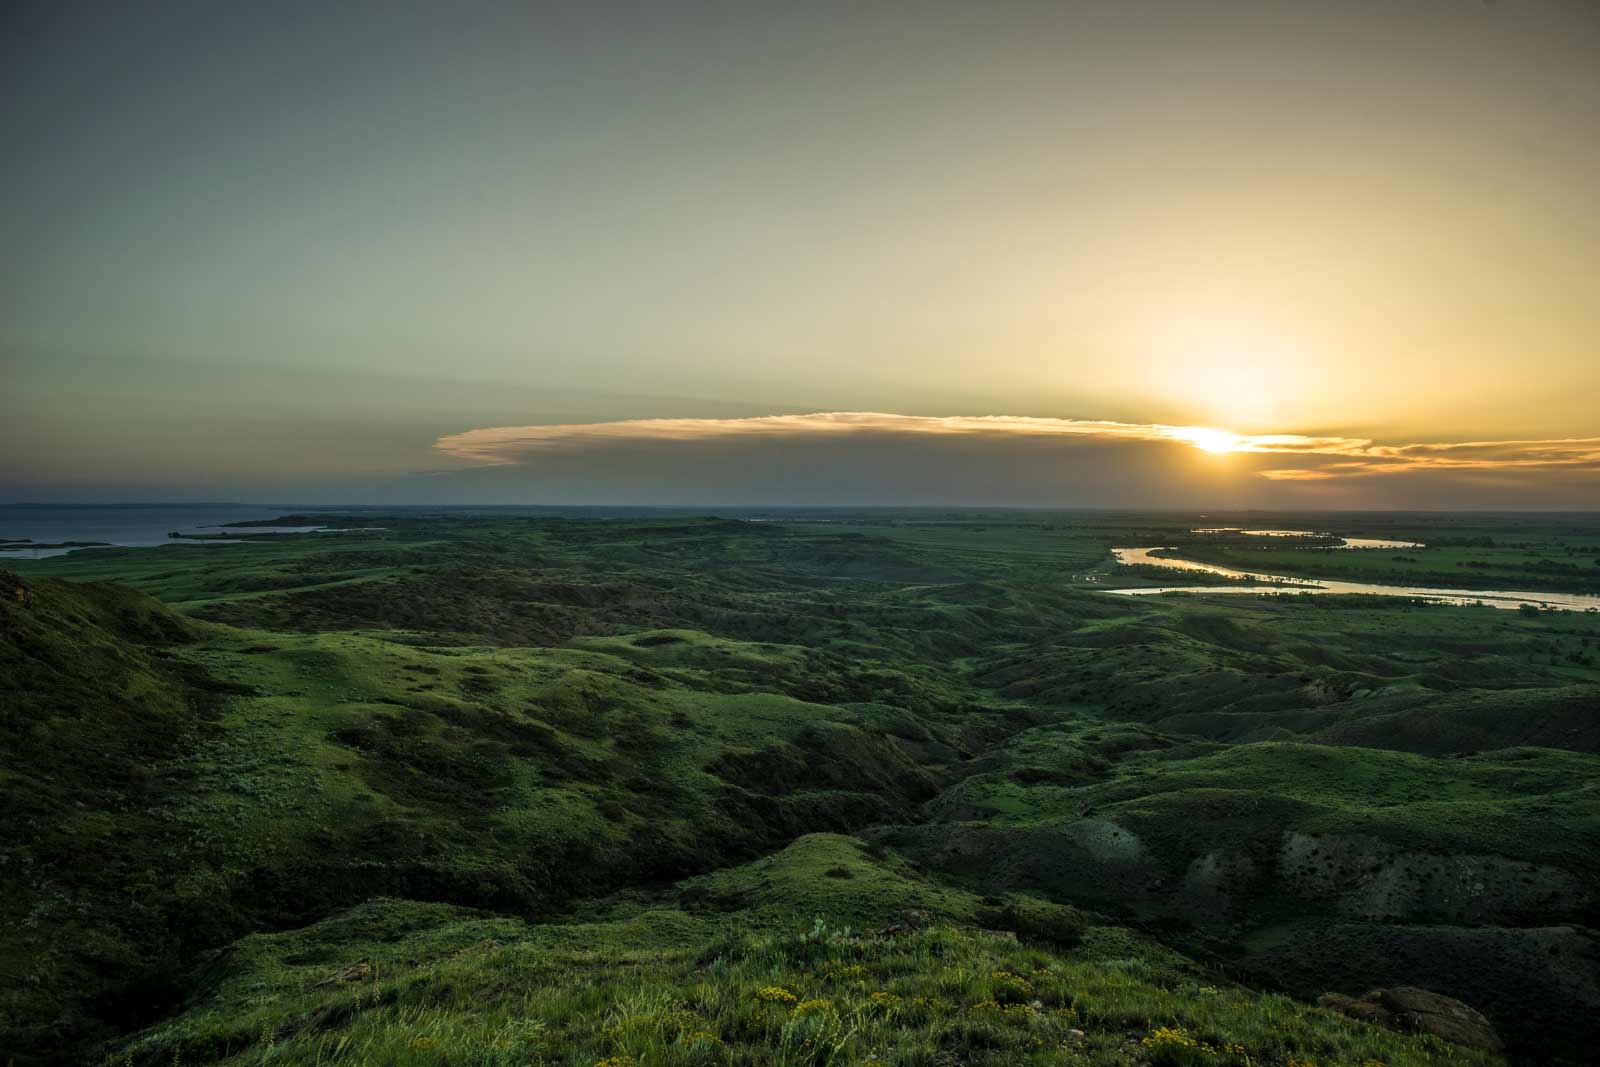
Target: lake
(122, 524)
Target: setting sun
(1209, 440)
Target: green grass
(556, 779)
(435, 986)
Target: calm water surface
(124, 524)
(1495, 598)
(1344, 542)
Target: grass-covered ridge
(435, 985)
(530, 771)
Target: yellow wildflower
(681, 1021)
(1169, 1037)
(1008, 986)
(775, 994)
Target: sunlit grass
(824, 997)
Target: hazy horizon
(1220, 255)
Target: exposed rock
(356, 972)
(1373, 879)
(1416, 1010)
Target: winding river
(1344, 542)
(1272, 583)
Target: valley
(488, 786)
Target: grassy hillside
(101, 720)
(405, 983)
(473, 789)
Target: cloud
(508, 445)
(1290, 457)
(1572, 454)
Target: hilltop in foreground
(506, 790)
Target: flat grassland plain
(500, 788)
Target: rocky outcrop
(1370, 878)
(1416, 1010)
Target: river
(1271, 583)
(1344, 542)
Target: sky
(1124, 253)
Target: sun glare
(1217, 441)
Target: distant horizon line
(327, 508)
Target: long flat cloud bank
(873, 458)
(1283, 457)
(500, 445)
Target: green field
(483, 788)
